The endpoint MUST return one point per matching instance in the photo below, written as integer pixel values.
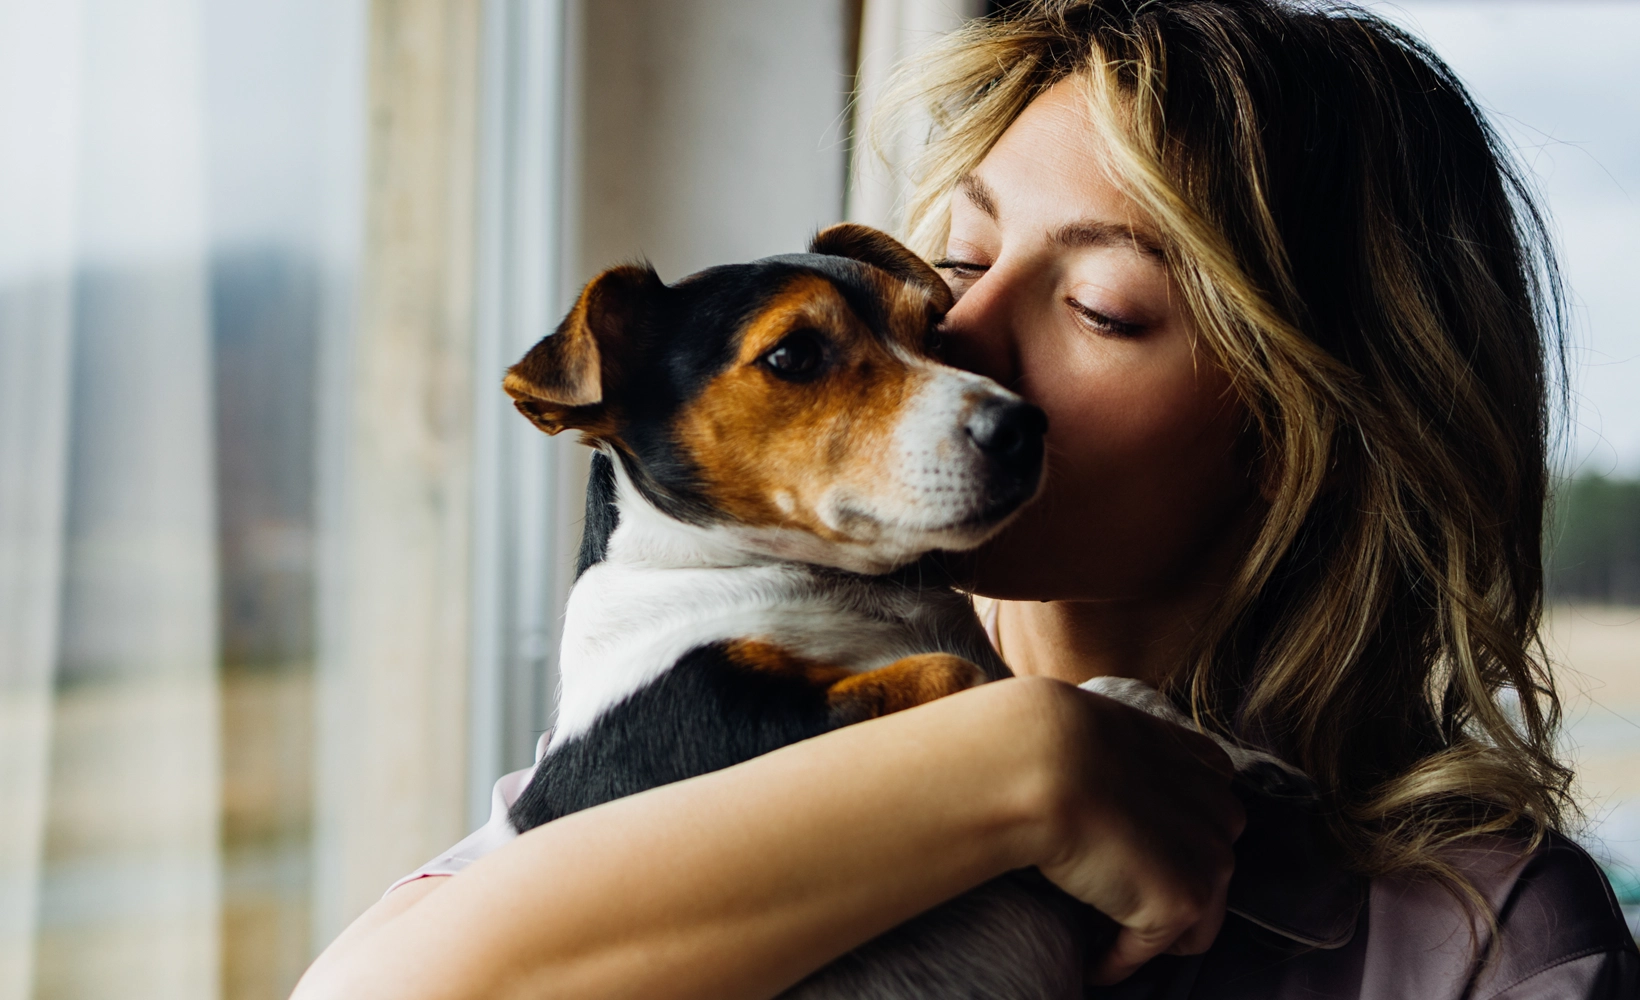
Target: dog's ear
(877, 248)
(571, 379)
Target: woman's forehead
(1085, 229)
(1049, 171)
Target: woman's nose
(977, 334)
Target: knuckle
(1193, 942)
(1171, 917)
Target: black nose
(1009, 432)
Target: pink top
(496, 831)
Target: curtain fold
(108, 840)
(891, 31)
(393, 666)
(39, 103)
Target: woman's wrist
(1027, 738)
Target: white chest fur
(665, 588)
(626, 624)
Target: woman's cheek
(1142, 468)
(1103, 408)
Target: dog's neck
(646, 536)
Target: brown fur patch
(877, 248)
(563, 368)
(767, 658)
(905, 683)
(768, 449)
(566, 380)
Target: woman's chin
(999, 569)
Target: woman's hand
(1139, 822)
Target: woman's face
(1062, 296)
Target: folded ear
(572, 378)
(877, 248)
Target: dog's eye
(795, 358)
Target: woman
(1293, 321)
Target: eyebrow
(1107, 234)
(979, 195)
(1075, 235)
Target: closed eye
(965, 270)
(1105, 325)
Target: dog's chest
(627, 624)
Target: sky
(1561, 81)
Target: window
(280, 570)
(1558, 81)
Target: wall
(710, 131)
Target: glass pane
(284, 109)
(180, 198)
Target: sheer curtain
(162, 252)
(108, 445)
(38, 112)
(891, 31)
(280, 571)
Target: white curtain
(891, 31)
(38, 104)
(108, 751)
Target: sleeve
(495, 832)
(1562, 934)
(1606, 975)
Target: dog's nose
(1009, 432)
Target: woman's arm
(740, 882)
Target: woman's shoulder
(1560, 927)
(1560, 931)
(1305, 926)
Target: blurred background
(280, 572)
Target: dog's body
(708, 660)
(777, 451)
(656, 689)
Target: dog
(777, 449)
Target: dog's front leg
(905, 683)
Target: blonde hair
(1362, 260)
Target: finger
(1207, 750)
(1212, 809)
(1209, 810)
(1131, 949)
(1201, 935)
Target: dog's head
(791, 402)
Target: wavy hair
(1361, 257)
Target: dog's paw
(905, 683)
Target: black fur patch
(704, 714)
(602, 516)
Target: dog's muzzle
(1008, 433)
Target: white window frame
(528, 488)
